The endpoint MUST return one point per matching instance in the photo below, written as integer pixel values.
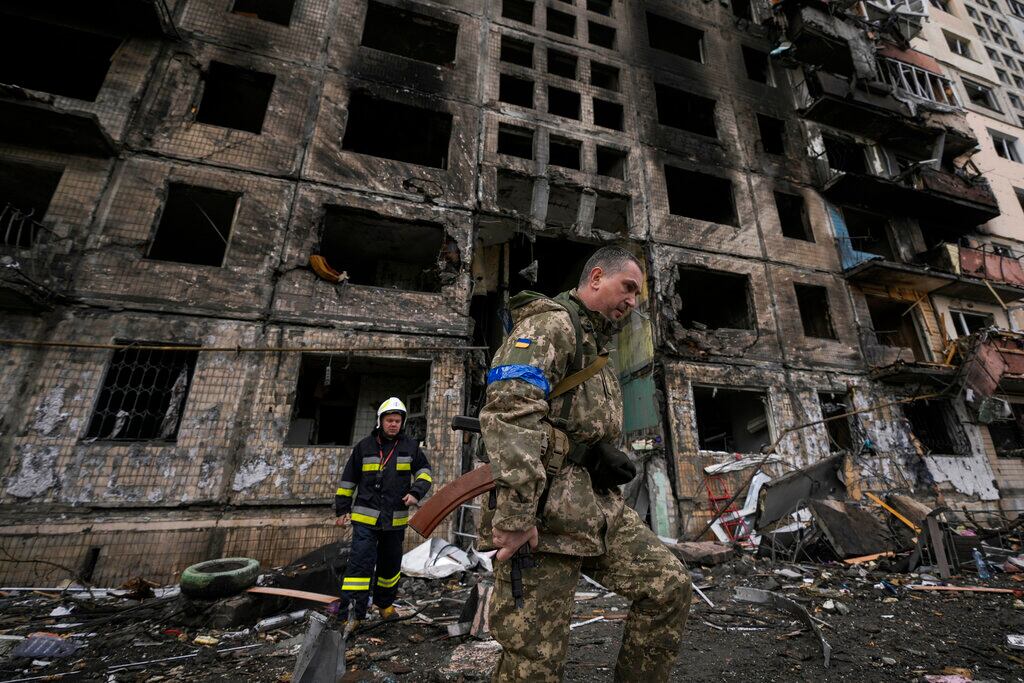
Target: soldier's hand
(343, 520)
(508, 542)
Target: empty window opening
(401, 132)
(793, 219)
(713, 300)
(143, 395)
(564, 152)
(352, 242)
(611, 214)
(563, 205)
(742, 9)
(274, 11)
(336, 398)
(685, 111)
(675, 37)
(611, 162)
(1006, 146)
(195, 226)
(936, 425)
(608, 114)
(514, 90)
(515, 193)
(958, 45)
(844, 155)
(409, 34)
(548, 265)
(698, 195)
(758, 66)
(92, 558)
(893, 323)
(731, 420)
(869, 232)
(75, 62)
(519, 52)
(600, 7)
(834, 409)
(815, 313)
(515, 141)
(234, 97)
(773, 134)
(517, 10)
(561, 22)
(562, 64)
(1008, 435)
(967, 323)
(600, 35)
(563, 102)
(604, 76)
(981, 95)
(25, 195)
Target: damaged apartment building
(230, 228)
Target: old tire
(219, 578)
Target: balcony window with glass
(958, 45)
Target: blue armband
(527, 373)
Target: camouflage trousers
(636, 565)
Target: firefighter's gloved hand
(610, 467)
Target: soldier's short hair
(610, 259)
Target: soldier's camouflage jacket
(532, 360)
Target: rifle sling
(579, 377)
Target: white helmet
(392, 405)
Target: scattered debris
(746, 594)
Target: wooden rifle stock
(448, 497)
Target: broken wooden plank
(891, 510)
(868, 558)
(291, 593)
(938, 547)
(968, 589)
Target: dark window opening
(869, 232)
(548, 265)
(967, 323)
(336, 398)
(698, 195)
(742, 9)
(561, 23)
(981, 95)
(274, 11)
(773, 134)
(563, 102)
(844, 155)
(600, 35)
(936, 426)
(611, 214)
(564, 152)
(562, 64)
(815, 313)
(517, 10)
(515, 141)
(604, 76)
(685, 111)
(600, 7)
(353, 242)
(234, 97)
(611, 162)
(53, 58)
(143, 395)
(88, 570)
(936, 232)
(834, 409)
(517, 91)
(195, 226)
(608, 114)
(563, 206)
(409, 34)
(731, 420)
(1008, 435)
(675, 37)
(515, 51)
(793, 218)
(401, 132)
(892, 322)
(713, 299)
(515, 193)
(758, 67)
(25, 194)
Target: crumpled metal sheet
(762, 597)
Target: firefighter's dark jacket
(407, 471)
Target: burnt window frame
(162, 213)
(722, 276)
(944, 413)
(806, 322)
(255, 15)
(212, 75)
(436, 25)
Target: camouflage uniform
(581, 529)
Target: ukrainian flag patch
(523, 343)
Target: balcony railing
(19, 229)
(918, 83)
(981, 263)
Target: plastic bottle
(979, 562)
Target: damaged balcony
(32, 121)
(820, 38)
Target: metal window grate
(143, 395)
(917, 82)
(18, 228)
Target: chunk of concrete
(707, 553)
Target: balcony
(26, 262)
(142, 18)
(981, 274)
(907, 15)
(32, 120)
(821, 39)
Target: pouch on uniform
(610, 466)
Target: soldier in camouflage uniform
(580, 528)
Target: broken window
(600, 7)
(562, 102)
(894, 325)
(675, 37)
(815, 313)
(143, 395)
(742, 9)
(52, 58)
(701, 196)
(936, 426)
(968, 322)
(758, 66)
(392, 130)
(336, 398)
(1008, 435)
(517, 10)
(834, 409)
(1006, 146)
(713, 299)
(600, 35)
(274, 11)
(793, 218)
(611, 214)
(195, 225)
(604, 76)
(562, 64)
(773, 134)
(869, 232)
(515, 141)
(514, 90)
(564, 152)
(608, 114)
(731, 420)
(563, 205)
(958, 45)
(844, 155)
(981, 95)
(234, 97)
(546, 264)
(515, 192)
(685, 111)
(409, 34)
(25, 194)
(515, 51)
(560, 22)
(611, 162)
(413, 256)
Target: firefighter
(386, 473)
